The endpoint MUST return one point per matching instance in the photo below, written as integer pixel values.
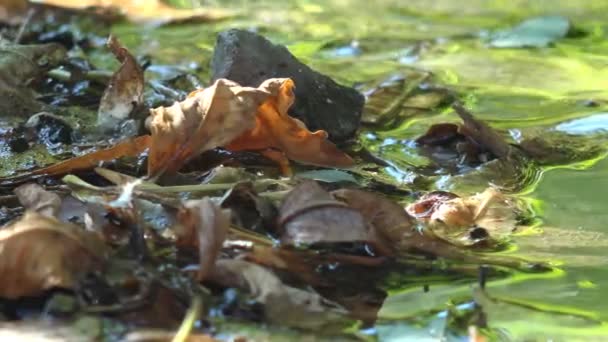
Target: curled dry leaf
(34, 197)
(204, 224)
(39, 252)
(466, 220)
(275, 131)
(124, 93)
(310, 214)
(283, 304)
(149, 11)
(208, 118)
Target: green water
(513, 89)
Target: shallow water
(365, 42)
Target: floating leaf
(276, 131)
(309, 214)
(208, 118)
(124, 93)
(535, 32)
(149, 11)
(34, 197)
(38, 253)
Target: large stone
(249, 59)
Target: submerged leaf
(283, 304)
(276, 130)
(124, 93)
(309, 214)
(149, 11)
(203, 224)
(38, 253)
(208, 118)
(534, 32)
(34, 197)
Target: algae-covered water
(558, 89)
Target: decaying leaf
(38, 253)
(283, 304)
(34, 197)
(149, 11)
(203, 224)
(390, 225)
(275, 131)
(470, 219)
(209, 118)
(124, 93)
(309, 214)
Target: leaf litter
(266, 249)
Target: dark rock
(249, 59)
(50, 128)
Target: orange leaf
(276, 130)
(207, 119)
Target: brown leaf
(203, 224)
(276, 131)
(124, 93)
(208, 118)
(309, 214)
(149, 11)
(34, 197)
(38, 252)
(283, 304)
(390, 225)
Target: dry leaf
(309, 214)
(390, 225)
(34, 197)
(125, 90)
(139, 11)
(38, 253)
(283, 304)
(208, 118)
(203, 224)
(276, 130)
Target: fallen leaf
(466, 221)
(204, 224)
(283, 304)
(124, 93)
(149, 11)
(34, 197)
(208, 118)
(39, 252)
(310, 214)
(390, 225)
(276, 131)
(127, 148)
(535, 32)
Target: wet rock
(249, 59)
(50, 128)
